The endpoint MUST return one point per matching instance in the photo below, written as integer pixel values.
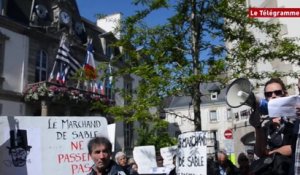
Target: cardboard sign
(47, 145)
(192, 154)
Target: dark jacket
(126, 169)
(279, 136)
(229, 167)
(276, 164)
(112, 169)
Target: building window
(109, 91)
(1, 7)
(128, 135)
(3, 38)
(213, 116)
(109, 83)
(41, 66)
(1, 106)
(244, 114)
(229, 115)
(1, 62)
(109, 51)
(236, 116)
(128, 91)
(214, 96)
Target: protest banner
(47, 145)
(191, 157)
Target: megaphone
(240, 93)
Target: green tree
(204, 41)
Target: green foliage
(156, 135)
(204, 41)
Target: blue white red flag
(101, 88)
(90, 67)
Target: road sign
(228, 134)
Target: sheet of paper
(145, 158)
(168, 153)
(284, 106)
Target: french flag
(101, 88)
(61, 76)
(90, 67)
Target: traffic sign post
(228, 134)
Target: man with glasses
(276, 135)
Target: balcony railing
(57, 93)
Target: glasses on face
(278, 93)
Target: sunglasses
(279, 93)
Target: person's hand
(254, 119)
(271, 152)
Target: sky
(89, 8)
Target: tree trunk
(196, 94)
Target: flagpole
(78, 81)
(52, 71)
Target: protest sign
(145, 158)
(111, 129)
(191, 157)
(47, 145)
(167, 153)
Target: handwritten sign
(192, 154)
(54, 145)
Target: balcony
(48, 93)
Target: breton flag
(65, 63)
